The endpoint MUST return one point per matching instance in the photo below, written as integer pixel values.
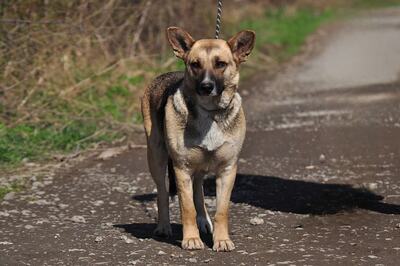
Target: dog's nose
(207, 87)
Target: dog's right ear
(180, 40)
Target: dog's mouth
(215, 103)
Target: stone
(78, 219)
(256, 221)
(9, 196)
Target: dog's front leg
(224, 180)
(191, 236)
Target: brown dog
(195, 124)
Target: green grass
(71, 124)
(4, 191)
(374, 3)
(281, 34)
(35, 142)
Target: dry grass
(71, 72)
(52, 52)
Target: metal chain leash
(218, 23)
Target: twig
(30, 93)
(140, 26)
(169, 62)
(95, 134)
(25, 21)
(15, 84)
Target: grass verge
(282, 32)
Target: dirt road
(320, 167)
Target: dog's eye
(195, 65)
(221, 64)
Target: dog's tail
(172, 178)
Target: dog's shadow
(279, 194)
(145, 231)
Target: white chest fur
(210, 136)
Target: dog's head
(212, 65)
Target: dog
(195, 124)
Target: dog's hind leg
(203, 219)
(158, 160)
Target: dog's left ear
(180, 40)
(242, 44)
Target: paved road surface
(320, 166)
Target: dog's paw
(192, 243)
(163, 230)
(223, 245)
(204, 224)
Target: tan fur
(200, 134)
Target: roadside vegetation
(72, 72)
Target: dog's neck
(185, 104)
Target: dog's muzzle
(207, 88)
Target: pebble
(9, 196)
(76, 250)
(310, 167)
(113, 170)
(193, 260)
(256, 221)
(161, 252)
(118, 189)
(372, 186)
(5, 214)
(78, 219)
(42, 202)
(36, 185)
(126, 239)
(98, 239)
(322, 158)
(98, 203)
(62, 206)
(28, 226)
(26, 212)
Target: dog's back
(155, 97)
